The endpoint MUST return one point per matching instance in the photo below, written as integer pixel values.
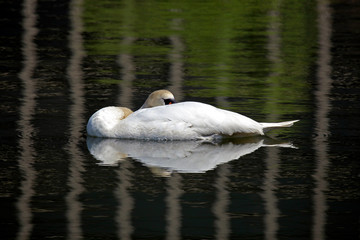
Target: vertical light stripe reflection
(124, 172)
(174, 191)
(76, 120)
(173, 214)
(125, 59)
(25, 127)
(222, 221)
(126, 202)
(272, 212)
(127, 75)
(176, 60)
(269, 196)
(321, 116)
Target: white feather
(269, 126)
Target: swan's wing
(191, 120)
(155, 124)
(209, 120)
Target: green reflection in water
(228, 46)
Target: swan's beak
(169, 101)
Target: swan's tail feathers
(269, 126)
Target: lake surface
(271, 60)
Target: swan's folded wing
(190, 120)
(208, 120)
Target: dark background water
(60, 61)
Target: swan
(161, 118)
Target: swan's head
(159, 98)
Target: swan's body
(180, 121)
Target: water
(270, 60)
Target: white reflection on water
(76, 119)
(322, 120)
(175, 156)
(172, 158)
(27, 111)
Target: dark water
(60, 61)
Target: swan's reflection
(179, 156)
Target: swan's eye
(169, 101)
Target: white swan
(159, 119)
